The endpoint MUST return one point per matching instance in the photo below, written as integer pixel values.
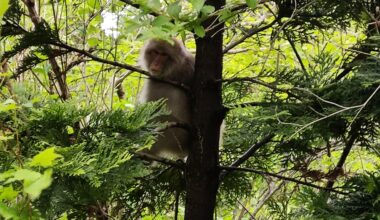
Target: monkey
(171, 62)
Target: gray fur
(180, 68)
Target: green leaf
(92, 29)
(35, 188)
(41, 55)
(9, 101)
(161, 20)
(24, 174)
(6, 137)
(45, 158)
(92, 42)
(174, 9)
(225, 14)
(28, 105)
(154, 4)
(208, 9)
(199, 30)
(92, 3)
(70, 130)
(5, 175)
(8, 193)
(4, 5)
(63, 216)
(197, 4)
(252, 3)
(8, 212)
(8, 105)
(131, 26)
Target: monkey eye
(154, 53)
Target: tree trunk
(202, 173)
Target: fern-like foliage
(97, 169)
(360, 202)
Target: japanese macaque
(171, 62)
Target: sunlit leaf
(41, 55)
(45, 158)
(8, 212)
(35, 188)
(93, 4)
(8, 193)
(8, 105)
(282, 95)
(24, 174)
(92, 42)
(6, 138)
(4, 5)
(70, 130)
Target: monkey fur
(170, 62)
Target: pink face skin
(158, 61)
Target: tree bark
(202, 173)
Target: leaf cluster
(94, 168)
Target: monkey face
(158, 61)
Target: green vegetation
(300, 88)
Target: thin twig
(250, 33)
(149, 157)
(263, 173)
(364, 104)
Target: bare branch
(250, 33)
(263, 173)
(295, 50)
(58, 74)
(96, 58)
(346, 151)
(118, 64)
(252, 150)
(260, 104)
(350, 66)
(260, 82)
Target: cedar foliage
(60, 159)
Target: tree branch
(250, 33)
(149, 157)
(252, 150)
(263, 173)
(348, 67)
(346, 151)
(96, 58)
(260, 82)
(121, 65)
(260, 104)
(295, 50)
(138, 6)
(58, 75)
